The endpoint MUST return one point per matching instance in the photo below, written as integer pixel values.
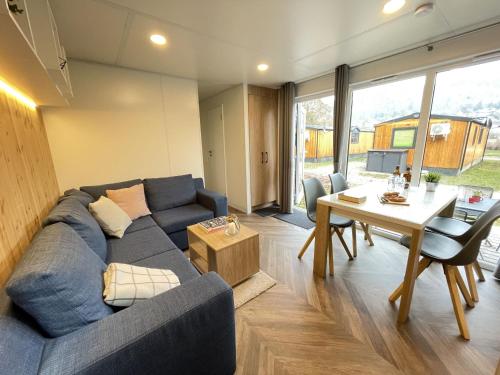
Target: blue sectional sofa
(62, 326)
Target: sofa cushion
(21, 348)
(138, 245)
(132, 200)
(168, 192)
(178, 218)
(198, 183)
(180, 239)
(141, 223)
(97, 190)
(84, 198)
(174, 260)
(70, 211)
(59, 281)
(112, 219)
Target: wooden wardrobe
(263, 131)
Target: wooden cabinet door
(262, 111)
(256, 133)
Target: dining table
(409, 219)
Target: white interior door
(214, 157)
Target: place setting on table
(392, 204)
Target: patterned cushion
(59, 281)
(71, 212)
(169, 192)
(125, 284)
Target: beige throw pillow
(124, 284)
(131, 200)
(112, 219)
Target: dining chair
(313, 189)
(451, 253)
(339, 183)
(455, 228)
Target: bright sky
(472, 91)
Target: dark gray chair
(313, 189)
(451, 253)
(339, 183)
(455, 228)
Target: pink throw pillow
(131, 200)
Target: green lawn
(487, 173)
(495, 153)
(311, 165)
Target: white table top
(423, 205)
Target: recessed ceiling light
(262, 67)
(393, 6)
(158, 39)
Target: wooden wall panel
(365, 143)
(439, 152)
(27, 179)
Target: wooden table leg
(322, 236)
(410, 274)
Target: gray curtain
(341, 92)
(287, 142)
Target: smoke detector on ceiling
(424, 9)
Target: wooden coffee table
(234, 258)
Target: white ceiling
(220, 42)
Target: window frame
(406, 128)
(351, 141)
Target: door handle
(261, 158)
(267, 157)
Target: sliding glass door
(314, 143)
(463, 142)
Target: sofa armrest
(213, 201)
(187, 330)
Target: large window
(384, 121)
(404, 137)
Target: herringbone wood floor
(345, 324)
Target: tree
(318, 113)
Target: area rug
(298, 218)
(268, 211)
(251, 288)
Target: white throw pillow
(112, 219)
(124, 284)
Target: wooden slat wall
(475, 150)
(365, 143)
(320, 144)
(28, 185)
(440, 152)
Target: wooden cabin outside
(453, 143)
(360, 141)
(319, 143)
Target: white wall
(235, 111)
(124, 124)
